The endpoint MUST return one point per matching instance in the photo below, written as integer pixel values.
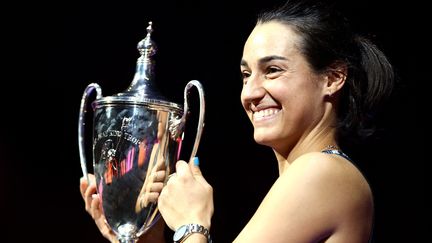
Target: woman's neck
(316, 141)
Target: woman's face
(281, 94)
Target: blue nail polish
(196, 161)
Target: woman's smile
(264, 115)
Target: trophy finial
(146, 47)
(149, 28)
(142, 84)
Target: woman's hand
(187, 197)
(93, 207)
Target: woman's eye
(273, 70)
(245, 75)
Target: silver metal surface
(137, 138)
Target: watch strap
(195, 228)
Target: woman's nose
(253, 90)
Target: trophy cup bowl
(137, 137)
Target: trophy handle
(200, 89)
(81, 124)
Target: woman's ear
(335, 78)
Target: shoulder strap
(337, 152)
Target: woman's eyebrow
(271, 58)
(264, 60)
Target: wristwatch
(186, 230)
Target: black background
(52, 51)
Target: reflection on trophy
(137, 136)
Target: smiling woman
(309, 82)
(278, 78)
(303, 90)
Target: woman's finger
(88, 197)
(95, 207)
(156, 187)
(182, 170)
(83, 186)
(159, 176)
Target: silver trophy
(137, 137)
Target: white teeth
(264, 113)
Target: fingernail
(196, 161)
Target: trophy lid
(142, 90)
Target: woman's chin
(263, 139)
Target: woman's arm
(317, 197)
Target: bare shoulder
(318, 197)
(328, 176)
(337, 174)
(327, 168)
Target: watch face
(180, 232)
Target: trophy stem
(127, 233)
(128, 240)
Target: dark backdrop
(52, 51)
